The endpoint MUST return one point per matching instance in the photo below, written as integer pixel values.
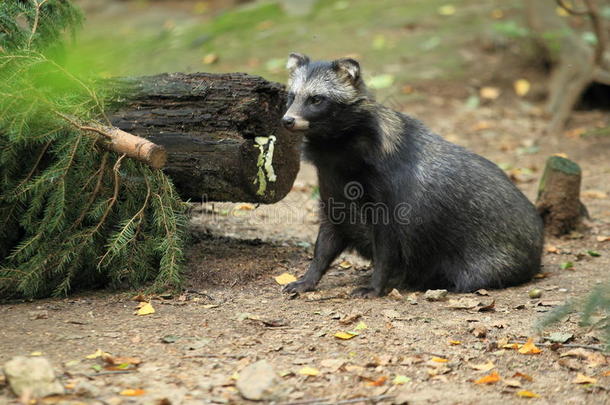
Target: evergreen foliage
(72, 213)
(593, 309)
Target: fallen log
(221, 133)
(558, 200)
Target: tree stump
(558, 200)
(222, 133)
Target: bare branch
(36, 20)
(569, 9)
(599, 27)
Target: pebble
(256, 381)
(33, 375)
(435, 295)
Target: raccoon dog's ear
(295, 61)
(349, 67)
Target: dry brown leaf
(583, 379)
(378, 382)
(595, 194)
(491, 378)
(333, 365)
(512, 383)
(523, 376)
(483, 367)
(603, 238)
(350, 318)
(489, 93)
(120, 360)
(594, 359)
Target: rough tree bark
(577, 64)
(558, 200)
(221, 133)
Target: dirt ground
(407, 349)
(233, 312)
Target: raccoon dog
(428, 213)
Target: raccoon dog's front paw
(299, 286)
(366, 292)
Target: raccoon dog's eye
(316, 100)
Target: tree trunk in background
(574, 65)
(221, 133)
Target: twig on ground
(328, 401)
(599, 348)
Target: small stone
(84, 388)
(33, 375)
(535, 293)
(256, 381)
(435, 295)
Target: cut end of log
(137, 148)
(558, 200)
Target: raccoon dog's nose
(288, 122)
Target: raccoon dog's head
(320, 94)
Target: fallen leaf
(245, 207)
(566, 265)
(395, 294)
(482, 291)
(455, 342)
(583, 379)
(309, 371)
(594, 359)
(463, 303)
(606, 373)
(120, 360)
(345, 335)
(345, 264)
(492, 378)
(527, 394)
(146, 309)
(439, 360)
(285, 278)
(447, 10)
(514, 346)
(497, 14)
(351, 318)
(378, 382)
(523, 376)
(529, 347)
(361, 326)
(132, 392)
(512, 383)
(603, 238)
(522, 87)
(483, 367)
(210, 59)
(36, 354)
(593, 253)
(139, 298)
(559, 337)
(98, 353)
(489, 93)
(551, 249)
(482, 125)
(400, 379)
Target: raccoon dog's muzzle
(295, 123)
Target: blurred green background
(399, 42)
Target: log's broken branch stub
(221, 132)
(559, 196)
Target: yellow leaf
(145, 309)
(345, 335)
(285, 278)
(309, 371)
(522, 87)
(132, 392)
(36, 354)
(483, 367)
(523, 376)
(489, 93)
(492, 378)
(455, 342)
(527, 394)
(210, 59)
(514, 346)
(563, 155)
(497, 14)
(439, 360)
(583, 379)
(561, 12)
(361, 326)
(400, 379)
(245, 207)
(529, 347)
(98, 353)
(345, 264)
(447, 9)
